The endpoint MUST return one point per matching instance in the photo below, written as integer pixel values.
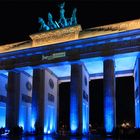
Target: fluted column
(19, 96)
(79, 99)
(13, 100)
(38, 100)
(109, 96)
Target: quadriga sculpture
(63, 22)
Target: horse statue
(51, 23)
(73, 20)
(43, 26)
(62, 21)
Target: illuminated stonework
(56, 36)
(69, 54)
(110, 29)
(16, 46)
(69, 34)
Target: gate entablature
(97, 42)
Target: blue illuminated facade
(33, 121)
(25, 118)
(85, 114)
(73, 113)
(51, 103)
(137, 93)
(85, 100)
(88, 57)
(76, 99)
(44, 101)
(2, 115)
(3, 94)
(108, 115)
(50, 120)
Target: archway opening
(96, 104)
(64, 107)
(125, 106)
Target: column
(45, 101)
(109, 96)
(137, 92)
(38, 100)
(79, 99)
(25, 102)
(19, 97)
(3, 98)
(13, 100)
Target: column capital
(109, 58)
(77, 62)
(80, 63)
(14, 70)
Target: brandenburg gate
(31, 71)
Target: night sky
(19, 19)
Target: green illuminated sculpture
(51, 23)
(43, 26)
(63, 22)
(73, 17)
